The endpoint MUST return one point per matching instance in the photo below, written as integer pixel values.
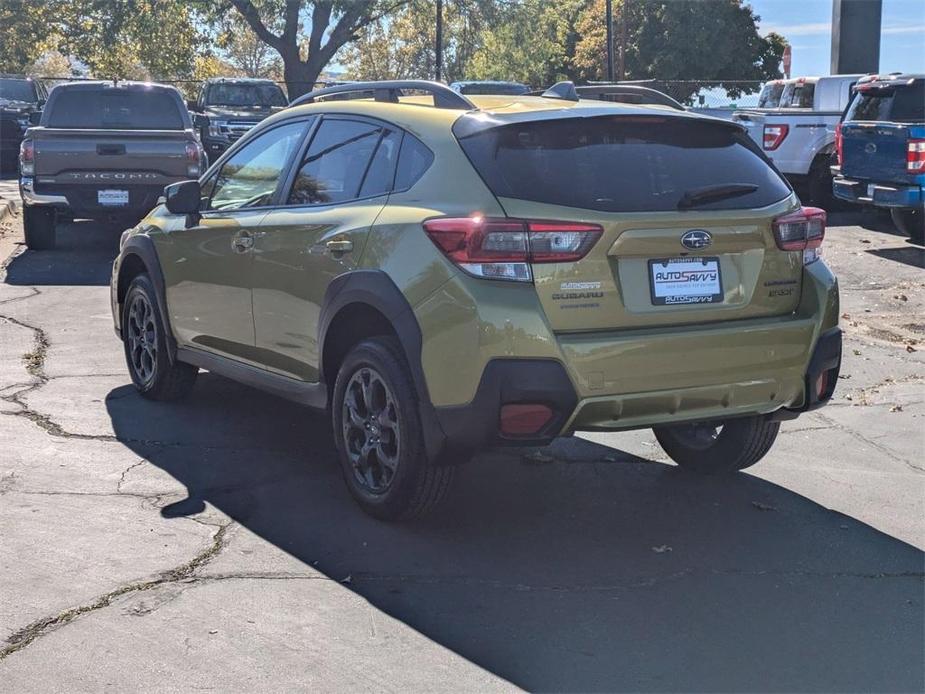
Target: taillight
(27, 158)
(915, 156)
(524, 419)
(503, 249)
(193, 160)
(802, 230)
(774, 135)
(839, 144)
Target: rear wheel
(146, 347)
(379, 437)
(910, 222)
(39, 228)
(820, 184)
(718, 447)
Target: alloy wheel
(371, 429)
(142, 338)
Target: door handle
(242, 243)
(339, 245)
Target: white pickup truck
(795, 126)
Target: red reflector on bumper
(524, 419)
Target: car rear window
(17, 90)
(622, 163)
(904, 104)
(117, 109)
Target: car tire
(39, 228)
(379, 436)
(819, 183)
(911, 223)
(718, 447)
(145, 345)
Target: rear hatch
(877, 127)
(685, 206)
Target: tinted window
(802, 95)
(902, 104)
(621, 164)
(414, 160)
(335, 163)
(250, 176)
(245, 95)
(381, 171)
(17, 90)
(114, 108)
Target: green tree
(305, 33)
(23, 34)
(532, 43)
(715, 43)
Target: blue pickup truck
(881, 149)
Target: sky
(807, 25)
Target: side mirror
(183, 197)
(35, 118)
(200, 121)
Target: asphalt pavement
(212, 544)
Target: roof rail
(390, 90)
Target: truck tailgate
(93, 156)
(877, 151)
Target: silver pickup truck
(103, 150)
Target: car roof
(109, 84)
(417, 115)
(237, 80)
(893, 79)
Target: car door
(208, 266)
(318, 232)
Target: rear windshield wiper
(702, 196)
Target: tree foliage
(716, 44)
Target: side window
(413, 161)
(250, 177)
(381, 171)
(336, 163)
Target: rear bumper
(877, 194)
(620, 380)
(82, 199)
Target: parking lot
(212, 544)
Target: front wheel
(145, 343)
(379, 437)
(718, 447)
(910, 222)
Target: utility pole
(438, 62)
(609, 12)
(623, 39)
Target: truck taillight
(839, 144)
(802, 230)
(915, 156)
(193, 160)
(774, 135)
(504, 249)
(27, 158)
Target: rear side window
(116, 109)
(802, 95)
(901, 104)
(770, 95)
(622, 163)
(414, 160)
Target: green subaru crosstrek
(443, 273)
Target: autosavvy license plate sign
(112, 198)
(675, 281)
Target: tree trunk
(300, 76)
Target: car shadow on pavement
(83, 257)
(597, 571)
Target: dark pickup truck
(881, 150)
(104, 150)
(20, 97)
(230, 106)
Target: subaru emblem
(696, 239)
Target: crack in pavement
(870, 442)
(25, 636)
